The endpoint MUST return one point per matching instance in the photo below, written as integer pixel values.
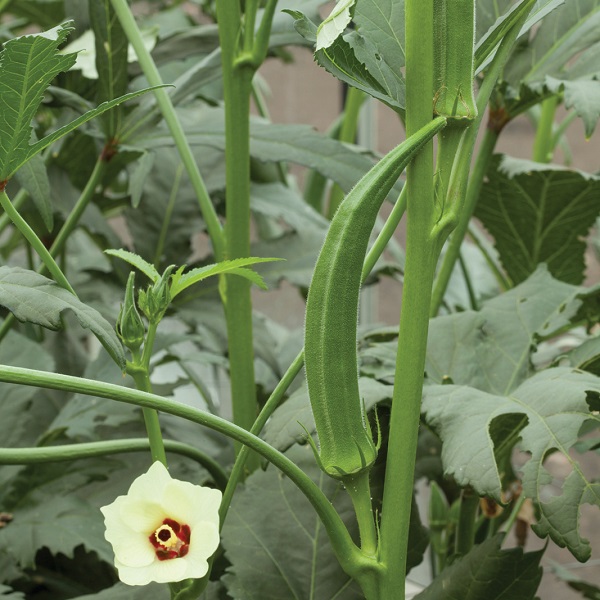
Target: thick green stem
(47, 454)
(543, 145)
(414, 318)
(348, 554)
(459, 219)
(168, 111)
(354, 102)
(35, 242)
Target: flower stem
(359, 490)
(163, 100)
(46, 454)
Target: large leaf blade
(554, 403)
(35, 299)
(539, 213)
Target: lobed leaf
(539, 213)
(137, 261)
(487, 571)
(36, 299)
(554, 404)
(335, 23)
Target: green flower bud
(156, 299)
(130, 327)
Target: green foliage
(268, 566)
(554, 404)
(539, 213)
(37, 299)
(488, 571)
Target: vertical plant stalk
(465, 530)
(242, 53)
(543, 145)
(163, 100)
(460, 178)
(414, 318)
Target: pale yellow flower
(163, 530)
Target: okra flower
(163, 530)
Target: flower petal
(187, 502)
(161, 572)
(142, 516)
(203, 543)
(150, 484)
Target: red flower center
(171, 540)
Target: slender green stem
(35, 242)
(475, 236)
(82, 203)
(461, 216)
(17, 202)
(418, 279)
(543, 148)
(561, 129)
(46, 454)
(508, 525)
(465, 531)
(354, 102)
(348, 554)
(359, 490)
(160, 245)
(163, 100)
(468, 282)
(140, 372)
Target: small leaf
(36, 299)
(138, 262)
(181, 282)
(487, 571)
(27, 66)
(138, 174)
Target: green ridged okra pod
(346, 444)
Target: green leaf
(294, 418)
(138, 262)
(111, 60)
(181, 282)
(7, 593)
(487, 571)
(137, 175)
(267, 565)
(300, 144)
(554, 403)
(120, 591)
(491, 349)
(583, 96)
(33, 177)
(48, 511)
(587, 589)
(539, 213)
(37, 299)
(27, 66)
(585, 357)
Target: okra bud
(346, 445)
(130, 327)
(454, 23)
(156, 299)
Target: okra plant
(161, 436)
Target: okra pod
(346, 445)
